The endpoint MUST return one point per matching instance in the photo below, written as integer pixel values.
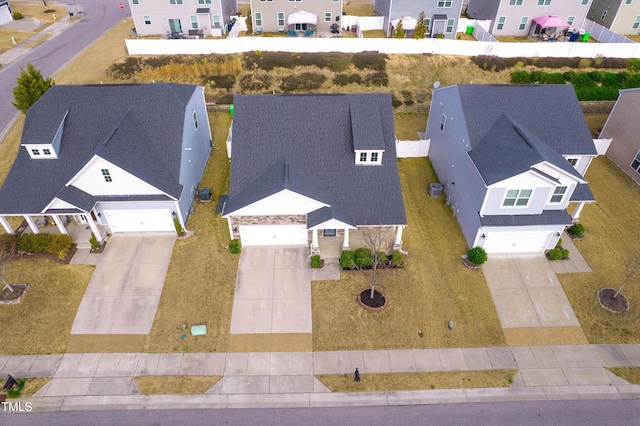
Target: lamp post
(76, 6)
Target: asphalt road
(97, 17)
(599, 412)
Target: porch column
(32, 225)
(6, 225)
(59, 224)
(345, 243)
(94, 227)
(398, 240)
(576, 214)
(314, 239)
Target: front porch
(78, 227)
(330, 243)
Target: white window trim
(553, 194)
(500, 23)
(328, 15)
(523, 25)
(636, 158)
(515, 204)
(146, 19)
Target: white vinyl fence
(603, 34)
(407, 149)
(383, 45)
(364, 23)
(602, 145)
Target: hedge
(57, 244)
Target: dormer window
(46, 151)
(35, 152)
(363, 157)
(369, 158)
(106, 175)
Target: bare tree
(8, 249)
(632, 272)
(379, 240)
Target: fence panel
(603, 34)
(409, 149)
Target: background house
(272, 16)
(207, 17)
(5, 12)
(623, 128)
(621, 16)
(115, 158)
(514, 17)
(313, 169)
(441, 15)
(510, 163)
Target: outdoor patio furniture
(309, 32)
(292, 33)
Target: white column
(398, 241)
(6, 225)
(345, 243)
(576, 213)
(94, 227)
(32, 225)
(314, 239)
(60, 225)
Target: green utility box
(585, 37)
(469, 29)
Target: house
(515, 17)
(313, 169)
(441, 16)
(623, 128)
(621, 16)
(510, 159)
(116, 158)
(6, 14)
(195, 17)
(272, 16)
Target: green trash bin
(585, 37)
(469, 29)
(231, 110)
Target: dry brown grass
(634, 37)
(41, 323)
(514, 39)
(432, 289)
(611, 239)
(408, 125)
(19, 36)
(37, 11)
(200, 282)
(175, 385)
(465, 36)
(595, 123)
(419, 381)
(358, 8)
(9, 148)
(31, 386)
(630, 374)
(373, 34)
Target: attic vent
(286, 173)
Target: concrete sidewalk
(287, 379)
(22, 50)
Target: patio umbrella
(302, 17)
(551, 21)
(408, 23)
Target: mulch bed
(607, 300)
(469, 264)
(55, 257)
(100, 248)
(376, 303)
(12, 297)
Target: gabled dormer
(42, 141)
(368, 137)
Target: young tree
(379, 240)
(249, 23)
(399, 30)
(8, 249)
(421, 27)
(31, 86)
(632, 272)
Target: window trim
(523, 25)
(282, 22)
(444, 3)
(106, 175)
(450, 25)
(501, 22)
(46, 151)
(562, 195)
(257, 19)
(194, 22)
(570, 20)
(636, 23)
(515, 2)
(328, 17)
(517, 198)
(573, 160)
(35, 151)
(636, 159)
(146, 19)
(544, 2)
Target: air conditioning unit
(435, 190)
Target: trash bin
(470, 29)
(585, 37)
(231, 110)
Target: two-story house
(6, 14)
(272, 16)
(621, 16)
(203, 17)
(511, 158)
(623, 128)
(115, 158)
(515, 17)
(441, 16)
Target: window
(515, 2)
(302, 27)
(544, 2)
(501, 22)
(134, 1)
(175, 1)
(635, 164)
(523, 23)
(258, 19)
(35, 151)
(194, 22)
(572, 161)
(627, 1)
(636, 23)
(558, 194)
(374, 157)
(329, 232)
(147, 19)
(106, 175)
(604, 14)
(281, 19)
(204, 1)
(427, 22)
(450, 23)
(327, 17)
(443, 121)
(584, 2)
(517, 198)
(363, 157)
(216, 21)
(570, 20)
(195, 120)
(444, 3)
(46, 151)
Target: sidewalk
(21, 50)
(287, 379)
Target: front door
(175, 26)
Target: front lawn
(612, 233)
(432, 289)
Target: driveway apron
(124, 291)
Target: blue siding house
(441, 15)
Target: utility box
(205, 195)
(435, 190)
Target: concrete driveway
(273, 291)
(123, 293)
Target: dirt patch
(611, 301)
(8, 297)
(376, 303)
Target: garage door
(269, 235)
(516, 242)
(140, 220)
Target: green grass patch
(408, 125)
(27, 387)
(175, 385)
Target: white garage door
(273, 235)
(516, 242)
(139, 220)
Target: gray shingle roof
(325, 214)
(313, 135)
(547, 217)
(137, 127)
(582, 192)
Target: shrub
(584, 63)
(370, 60)
(177, 225)
(633, 64)
(377, 79)
(225, 81)
(395, 101)
(520, 77)
(341, 80)
(305, 81)
(59, 245)
(565, 253)
(316, 262)
(94, 242)
(490, 63)
(355, 78)
(17, 16)
(477, 255)
(576, 230)
(396, 258)
(559, 243)
(347, 260)
(382, 258)
(555, 254)
(34, 243)
(363, 258)
(126, 69)
(234, 246)
(255, 82)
